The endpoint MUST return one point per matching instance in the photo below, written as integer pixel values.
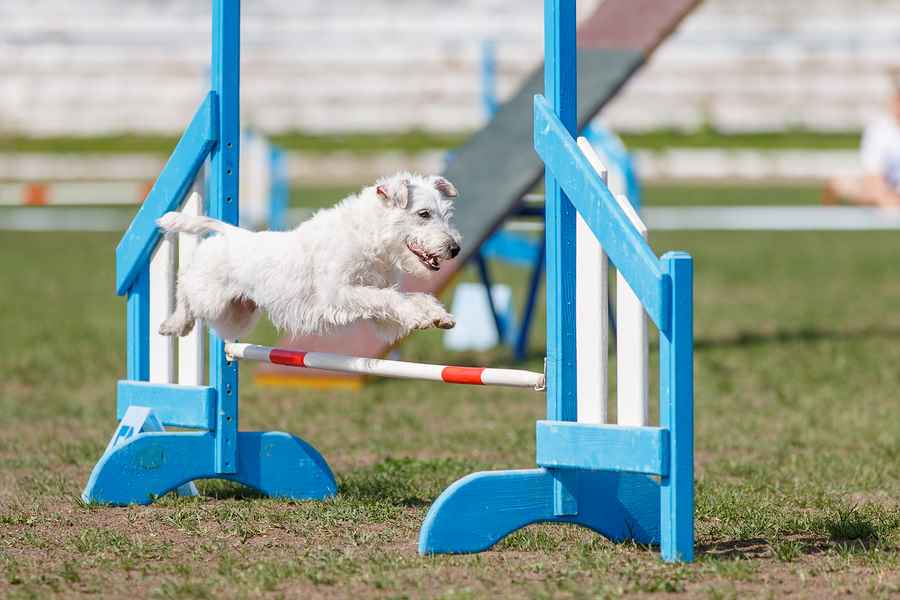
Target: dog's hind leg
(237, 319)
(181, 321)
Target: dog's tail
(176, 222)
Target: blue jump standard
(139, 466)
(480, 509)
(625, 483)
(149, 465)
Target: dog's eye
(425, 214)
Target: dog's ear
(444, 187)
(395, 192)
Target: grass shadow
(846, 530)
(784, 550)
(222, 489)
(404, 482)
(804, 334)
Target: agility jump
(631, 482)
(387, 368)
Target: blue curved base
(151, 464)
(479, 510)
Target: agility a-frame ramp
(497, 166)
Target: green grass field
(417, 141)
(675, 194)
(797, 438)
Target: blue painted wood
(135, 247)
(188, 406)
(676, 412)
(223, 375)
(223, 185)
(137, 420)
(137, 327)
(521, 348)
(512, 248)
(561, 90)
(477, 511)
(279, 191)
(149, 465)
(152, 464)
(282, 465)
(625, 247)
(611, 148)
(563, 444)
(485, 276)
(142, 466)
(489, 78)
(517, 249)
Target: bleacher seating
(111, 66)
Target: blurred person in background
(879, 184)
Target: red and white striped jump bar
(387, 368)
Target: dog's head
(421, 210)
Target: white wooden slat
(591, 300)
(631, 338)
(631, 344)
(162, 303)
(192, 347)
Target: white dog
(341, 266)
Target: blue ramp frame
(149, 464)
(625, 483)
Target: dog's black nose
(454, 250)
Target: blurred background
(405, 77)
(107, 67)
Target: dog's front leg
(394, 313)
(432, 312)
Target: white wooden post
(591, 300)
(631, 343)
(162, 303)
(191, 348)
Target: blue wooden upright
(139, 466)
(623, 482)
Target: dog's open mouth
(431, 261)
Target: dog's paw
(445, 322)
(176, 327)
(430, 313)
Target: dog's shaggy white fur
(341, 266)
